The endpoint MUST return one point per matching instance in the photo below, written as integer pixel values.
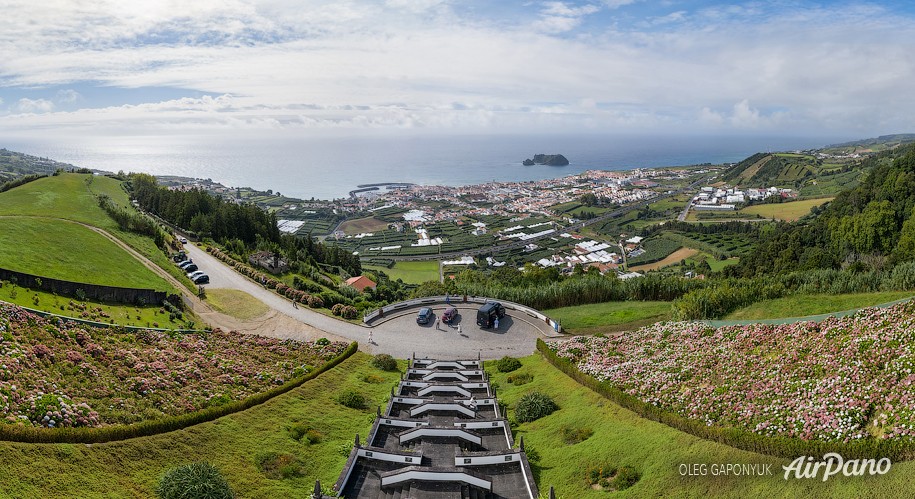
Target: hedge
(29, 434)
(896, 450)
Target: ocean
(326, 167)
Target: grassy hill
(72, 196)
(72, 252)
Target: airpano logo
(833, 464)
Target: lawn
(411, 272)
(362, 225)
(656, 451)
(610, 316)
(132, 468)
(236, 303)
(71, 252)
(789, 211)
(804, 305)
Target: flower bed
(55, 373)
(841, 380)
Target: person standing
(496, 323)
(438, 324)
(371, 340)
(460, 330)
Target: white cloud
(404, 63)
(68, 96)
(25, 105)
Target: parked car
(488, 313)
(185, 263)
(425, 315)
(201, 279)
(191, 268)
(194, 274)
(449, 315)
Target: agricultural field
(672, 259)
(789, 211)
(589, 432)
(363, 225)
(236, 303)
(66, 374)
(610, 317)
(726, 243)
(413, 272)
(306, 426)
(835, 381)
(656, 249)
(804, 305)
(65, 250)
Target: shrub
(626, 477)
(572, 435)
(198, 480)
(337, 309)
(508, 364)
(533, 406)
(351, 399)
(275, 465)
(519, 379)
(385, 362)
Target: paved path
(400, 336)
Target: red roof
(361, 282)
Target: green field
(236, 303)
(411, 272)
(72, 196)
(656, 451)
(132, 468)
(71, 252)
(804, 305)
(785, 211)
(610, 316)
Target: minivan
(424, 316)
(488, 313)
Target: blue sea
(327, 167)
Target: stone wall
(111, 294)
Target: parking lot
(516, 336)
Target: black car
(488, 313)
(425, 315)
(202, 279)
(190, 268)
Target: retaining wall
(111, 294)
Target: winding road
(399, 336)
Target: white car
(194, 274)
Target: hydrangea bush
(838, 380)
(56, 373)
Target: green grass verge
(132, 468)
(236, 303)
(71, 252)
(657, 451)
(610, 316)
(411, 272)
(804, 305)
(784, 211)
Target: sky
(842, 68)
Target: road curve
(400, 336)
